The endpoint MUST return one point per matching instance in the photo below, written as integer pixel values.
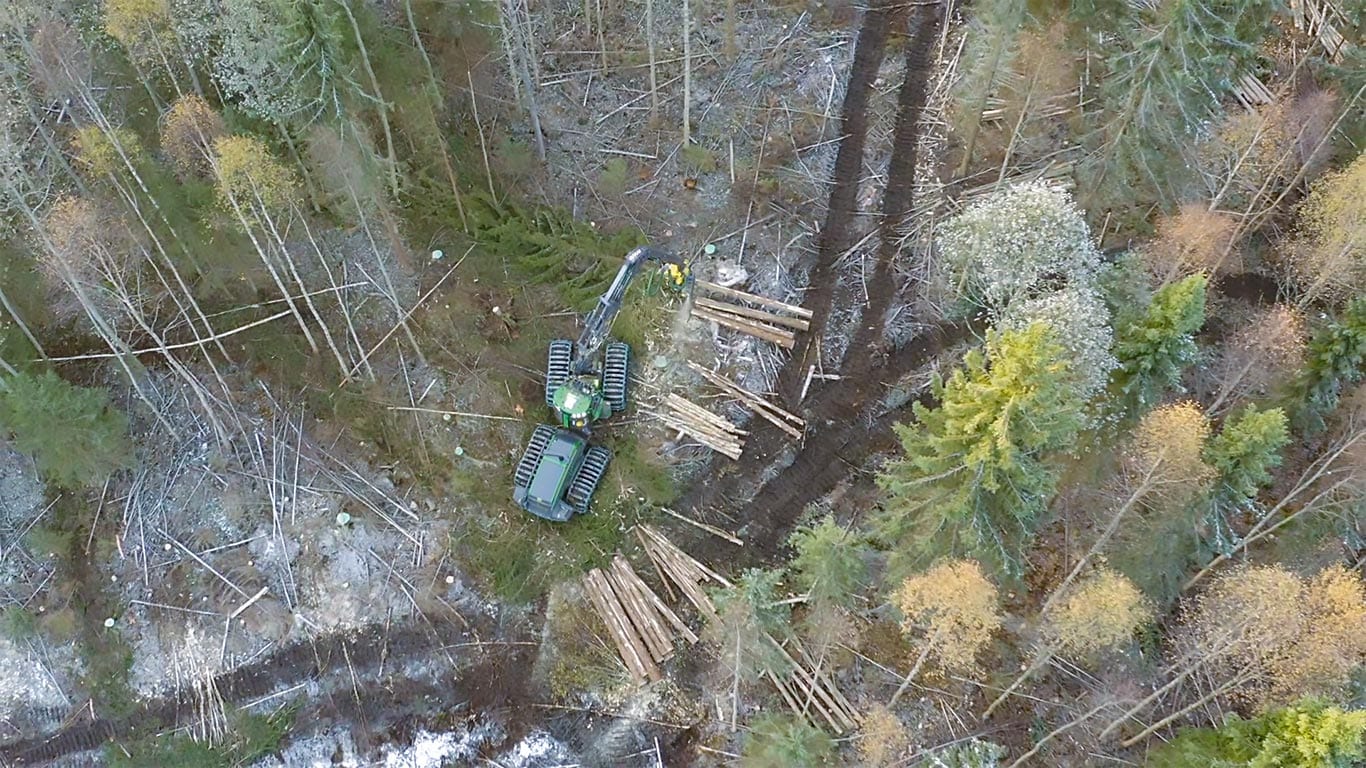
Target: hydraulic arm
(599, 322)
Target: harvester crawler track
(585, 483)
(557, 368)
(616, 373)
(527, 466)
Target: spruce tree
(73, 434)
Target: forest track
(841, 431)
(364, 678)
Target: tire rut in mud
(840, 432)
(366, 682)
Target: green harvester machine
(585, 382)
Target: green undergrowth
(250, 737)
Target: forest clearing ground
(841, 433)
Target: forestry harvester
(585, 381)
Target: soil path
(365, 679)
(842, 428)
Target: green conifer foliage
(1311, 734)
(72, 433)
(1336, 357)
(829, 564)
(783, 740)
(1154, 347)
(1246, 451)
(973, 480)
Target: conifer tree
(973, 479)
(1155, 346)
(74, 435)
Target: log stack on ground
(677, 569)
(810, 692)
(642, 626)
(787, 422)
(805, 687)
(758, 316)
(704, 426)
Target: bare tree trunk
(650, 49)
(687, 74)
(436, 94)
(1143, 487)
(1321, 468)
(1060, 730)
(274, 274)
(1223, 688)
(380, 103)
(1041, 657)
(915, 670)
(303, 289)
(23, 326)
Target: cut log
(778, 336)
(766, 410)
(764, 301)
(795, 323)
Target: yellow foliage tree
(882, 738)
(98, 154)
(250, 177)
(189, 130)
(1330, 259)
(1193, 240)
(953, 610)
(1168, 449)
(140, 25)
(1265, 636)
(1102, 612)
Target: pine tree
(1166, 67)
(74, 435)
(1309, 734)
(1246, 450)
(785, 740)
(1154, 347)
(830, 564)
(1336, 357)
(973, 479)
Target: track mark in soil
(841, 435)
(842, 210)
(496, 682)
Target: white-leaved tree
(1016, 243)
(1081, 322)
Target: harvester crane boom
(598, 324)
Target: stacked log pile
(806, 688)
(758, 316)
(809, 691)
(787, 422)
(704, 426)
(677, 568)
(642, 626)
